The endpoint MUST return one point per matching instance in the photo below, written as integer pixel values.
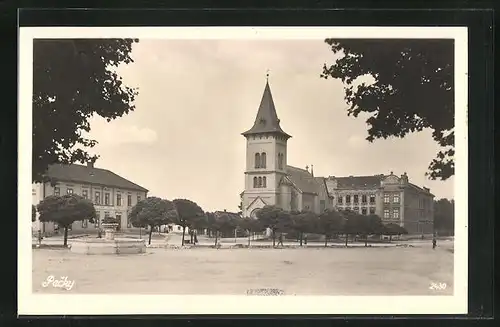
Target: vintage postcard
(297, 170)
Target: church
(269, 180)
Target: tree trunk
(249, 233)
(150, 234)
(326, 241)
(216, 234)
(346, 239)
(274, 238)
(140, 233)
(301, 237)
(366, 240)
(390, 238)
(191, 234)
(65, 236)
(183, 234)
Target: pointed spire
(266, 120)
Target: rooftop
(266, 120)
(90, 175)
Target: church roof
(303, 179)
(266, 120)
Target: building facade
(269, 180)
(112, 195)
(394, 199)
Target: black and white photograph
(243, 170)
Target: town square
(241, 167)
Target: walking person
(195, 237)
(305, 239)
(434, 243)
(280, 240)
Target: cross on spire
(267, 75)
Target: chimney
(312, 172)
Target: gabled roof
(90, 175)
(230, 214)
(266, 120)
(303, 180)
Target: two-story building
(112, 195)
(392, 198)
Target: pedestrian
(195, 236)
(434, 243)
(280, 240)
(305, 239)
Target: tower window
(264, 181)
(280, 160)
(257, 160)
(260, 182)
(255, 182)
(263, 160)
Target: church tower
(266, 153)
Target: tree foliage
(65, 210)
(444, 216)
(413, 89)
(153, 212)
(188, 213)
(250, 225)
(74, 79)
(330, 222)
(302, 222)
(274, 218)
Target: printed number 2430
(437, 286)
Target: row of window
(395, 198)
(394, 213)
(260, 160)
(364, 211)
(355, 199)
(97, 197)
(259, 182)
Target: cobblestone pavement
(306, 271)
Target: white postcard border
(75, 304)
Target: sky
(196, 97)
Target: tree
(151, 211)
(302, 222)
(369, 225)
(444, 216)
(33, 213)
(249, 225)
(330, 222)
(188, 213)
(351, 224)
(65, 210)
(222, 222)
(413, 89)
(274, 218)
(74, 79)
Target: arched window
(257, 160)
(264, 181)
(260, 182)
(255, 185)
(263, 160)
(280, 160)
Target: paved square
(311, 271)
